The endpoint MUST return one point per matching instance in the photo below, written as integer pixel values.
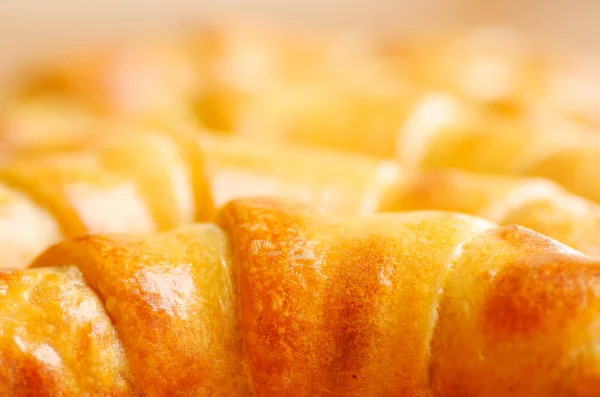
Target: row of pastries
(247, 212)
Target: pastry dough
(280, 301)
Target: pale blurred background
(33, 28)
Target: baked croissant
(145, 181)
(297, 86)
(347, 184)
(43, 123)
(499, 67)
(537, 204)
(353, 81)
(279, 301)
(156, 180)
(444, 132)
(128, 77)
(141, 180)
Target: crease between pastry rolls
(297, 304)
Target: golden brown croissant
(129, 77)
(443, 132)
(288, 87)
(365, 101)
(144, 181)
(353, 184)
(336, 91)
(332, 182)
(155, 180)
(500, 67)
(320, 79)
(225, 67)
(42, 123)
(283, 302)
(537, 204)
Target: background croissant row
(135, 178)
(484, 100)
(339, 90)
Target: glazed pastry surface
(281, 301)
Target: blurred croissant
(142, 181)
(334, 90)
(444, 132)
(127, 77)
(43, 123)
(156, 179)
(240, 80)
(279, 301)
(347, 184)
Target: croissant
(518, 118)
(444, 133)
(499, 67)
(280, 301)
(157, 179)
(43, 123)
(145, 181)
(536, 203)
(324, 83)
(355, 184)
(242, 79)
(128, 77)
